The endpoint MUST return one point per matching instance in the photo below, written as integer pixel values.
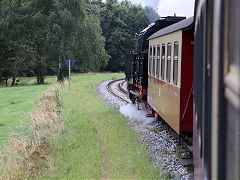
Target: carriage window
(154, 58)
(163, 62)
(169, 47)
(158, 60)
(175, 63)
(150, 60)
(154, 51)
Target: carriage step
(150, 115)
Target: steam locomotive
(188, 71)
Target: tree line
(37, 35)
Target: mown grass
(16, 103)
(96, 142)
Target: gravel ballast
(159, 139)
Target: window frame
(158, 61)
(169, 56)
(153, 62)
(150, 60)
(175, 62)
(163, 52)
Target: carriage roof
(184, 24)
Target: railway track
(118, 88)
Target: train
(137, 61)
(188, 72)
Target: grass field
(16, 103)
(96, 143)
(93, 141)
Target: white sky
(169, 7)
(180, 7)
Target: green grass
(16, 103)
(27, 81)
(96, 141)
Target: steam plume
(153, 3)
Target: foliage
(119, 22)
(92, 56)
(36, 35)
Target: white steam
(169, 7)
(153, 3)
(136, 116)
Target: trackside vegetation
(27, 156)
(70, 135)
(16, 103)
(96, 142)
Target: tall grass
(96, 142)
(27, 158)
(15, 105)
(74, 135)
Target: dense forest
(37, 35)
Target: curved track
(118, 88)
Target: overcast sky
(169, 7)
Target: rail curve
(116, 88)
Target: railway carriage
(216, 127)
(200, 93)
(137, 61)
(170, 74)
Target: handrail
(185, 109)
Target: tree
(14, 34)
(5, 66)
(119, 21)
(42, 33)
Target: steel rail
(111, 91)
